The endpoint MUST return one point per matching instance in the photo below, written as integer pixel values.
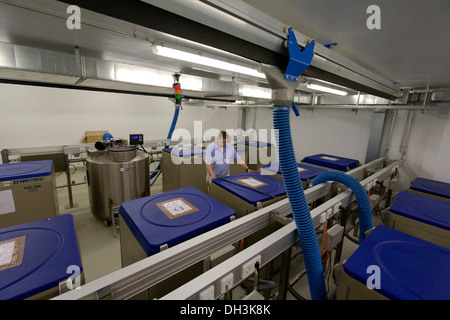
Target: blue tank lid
(421, 208)
(173, 217)
(257, 144)
(184, 151)
(434, 187)
(332, 162)
(22, 170)
(50, 248)
(409, 268)
(306, 172)
(264, 183)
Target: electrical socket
(226, 281)
(249, 267)
(330, 212)
(207, 294)
(336, 207)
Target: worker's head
(222, 138)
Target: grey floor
(100, 250)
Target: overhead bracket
(299, 60)
(282, 91)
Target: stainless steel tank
(115, 175)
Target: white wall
(40, 116)
(342, 133)
(345, 133)
(428, 149)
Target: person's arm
(209, 160)
(210, 171)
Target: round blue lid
(184, 151)
(50, 246)
(257, 144)
(173, 217)
(332, 162)
(409, 268)
(434, 187)
(306, 172)
(246, 186)
(421, 208)
(22, 170)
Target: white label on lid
(302, 169)
(6, 202)
(11, 252)
(176, 207)
(252, 182)
(329, 158)
(6, 252)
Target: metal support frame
(268, 248)
(129, 281)
(299, 61)
(219, 24)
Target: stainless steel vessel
(115, 175)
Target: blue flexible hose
(169, 135)
(299, 206)
(362, 199)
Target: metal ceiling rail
(128, 281)
(240, 29)
(241, 20)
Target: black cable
(350, 238)
(143, 149)
(242, 185)
(154, 180)
(75, 168)
(294, 293)
(264, 284)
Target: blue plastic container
(409, 268)
(332, 162)
(172, 217)
(433, 187)
(50, 250)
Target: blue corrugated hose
(299, 206)
(169, 135)
(362, 198)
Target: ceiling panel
(411, 48)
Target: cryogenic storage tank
(118, 174)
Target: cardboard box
(93, 136)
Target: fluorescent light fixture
(145, 76)
(326, 89)
(142, 76)
(205, 61)
(255, 92)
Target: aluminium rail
(235, 27)
(130, 280)
(268, 248)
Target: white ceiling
(411, 48)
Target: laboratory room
(254, 153)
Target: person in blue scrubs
(218, 157)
